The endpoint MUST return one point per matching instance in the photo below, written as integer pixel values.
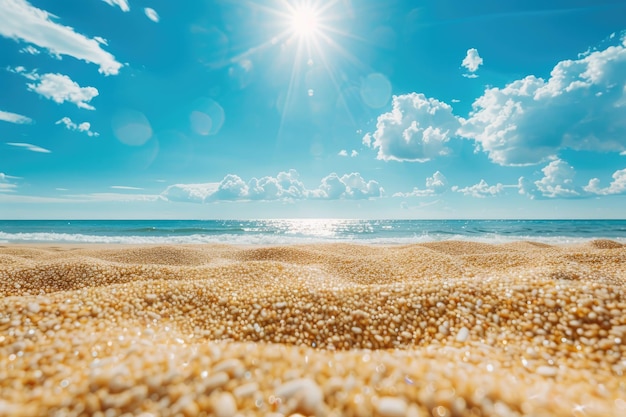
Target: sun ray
(308, 34)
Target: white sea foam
(275, 239)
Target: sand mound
(605, 244)
(157, 255)
(445, 329)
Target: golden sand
(438, 329)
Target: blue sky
(337, 108)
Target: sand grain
(441, 329)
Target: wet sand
(436, 329)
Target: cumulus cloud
(435, 185)
(152, 14)
(196, 193)
(122, 4)
(580, 107)
(348, 186)
(29, 147)
(481, 190)
(6, 116)
(232, 187)
(60, 88)
(557, 182)
(617, 186)
(284, 186)
(416, 129)
(352, 154)
(21, 21)
(471, 62)
(84, 127)
(331, 187)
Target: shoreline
(438, 328)
(356, 242)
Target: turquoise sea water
(286, 231)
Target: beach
(440, 329)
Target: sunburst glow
(304, 21)
(308, 39)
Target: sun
(304, 21)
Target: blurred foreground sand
(441, 329)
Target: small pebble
(462, 335)
(224, 405)
(391, 407)
(547, 370)
(305, 391)
(34, 307)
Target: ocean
(295, 231)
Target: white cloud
(526, 187)
(581, 107)
(196, 193)
(480, 190)
(437, 182)
(6, 186)
(349, 186)
(19, 20)
(617, 186)
(60, 88)
(6, 116)
(557, 182)
(232, 187)
(29, 199)
(285, 186)
(124, 187)
(353, 153)
(471, 62)
(416, 129)
(77, 198)
(108, 197)
(122, 4)
(29, 147)
(84, 127)
(152, 14)
(30, 49)
(331, 187)
(32, 75)
(435, 185)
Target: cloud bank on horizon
(199, 103)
